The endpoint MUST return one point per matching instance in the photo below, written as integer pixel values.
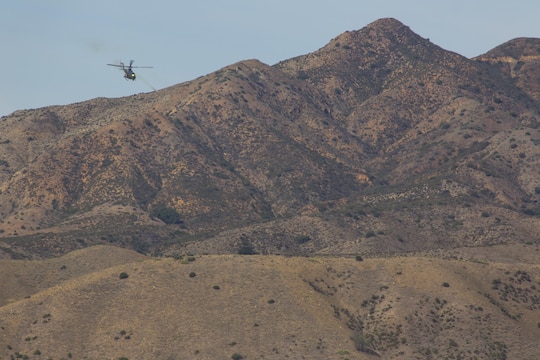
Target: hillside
(380, 142)
(271, 307)
(519, 60)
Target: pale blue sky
(53, 52)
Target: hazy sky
(53, 52)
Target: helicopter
(128, 72)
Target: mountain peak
(519, 60)
(381, 33)
(361, 63)
(393, 30)
(386, 24)
(516, 49)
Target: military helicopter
(128, 72)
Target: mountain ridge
(339, 138)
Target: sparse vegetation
(385, 324)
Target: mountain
(380, 131)
(518, 59)
(386, 189)
(379, 142)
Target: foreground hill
(379, 142)
(271, 307)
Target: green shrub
(192, 274)
(123, 275)
(166, 214)
(370, 233)
(302, 239)
(246, 248)
(302, 75)
(363, 343)
(532, 211)
(237, 356)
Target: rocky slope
(379, 142)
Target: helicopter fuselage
(128, 70)
(129, 74)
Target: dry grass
(270, 307)
(23, 278)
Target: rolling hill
(271, 307)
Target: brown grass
(267, 307)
